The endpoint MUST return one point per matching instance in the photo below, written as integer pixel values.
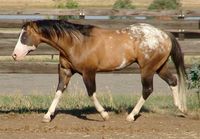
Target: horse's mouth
(29, 51)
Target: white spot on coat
(150, 38)
(131, 37)
(123, 31)
(117, 31)
(110, 37)
(123, 64)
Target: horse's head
(27, 42)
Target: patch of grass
(70, 4)
(192, 59)
(80, 102)
(123, 4)
(32, 58)
(23, 104)
(164, 5)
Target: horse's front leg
(89, 80)
(64, 77)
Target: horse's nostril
(14, 56)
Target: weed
(164, 5)
(80, 102)
(123, 4)
(70, 4)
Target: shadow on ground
(79, 113)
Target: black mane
(50, 28)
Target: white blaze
(21, 49)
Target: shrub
(194, 77)
(164, 5)
(123, 4)
(194, 80)
(70, 4)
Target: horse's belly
(111, 65)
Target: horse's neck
(57, 44)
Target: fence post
(181, 34)
(199, 24)
(52, 56)
(82, 14)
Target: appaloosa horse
(87, 49)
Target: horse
(88, 49)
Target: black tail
(178, 59)
(177, 56)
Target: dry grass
(33, 58)
(115, 103)
(192, 59)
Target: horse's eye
(23, 37)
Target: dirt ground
(75, 125)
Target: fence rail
(102, 12)
(185, 25)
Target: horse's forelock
(30, 24)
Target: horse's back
(115, 49)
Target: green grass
(70, 4)
(164, 5)
(80, 102)
(123, 4)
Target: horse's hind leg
(147, 85)
(89, 80)
(171, 80)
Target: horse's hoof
(130, 118)
(183, 110)
(46, 119)
(104, 115)
(180, 113)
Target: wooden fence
(185, 25)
